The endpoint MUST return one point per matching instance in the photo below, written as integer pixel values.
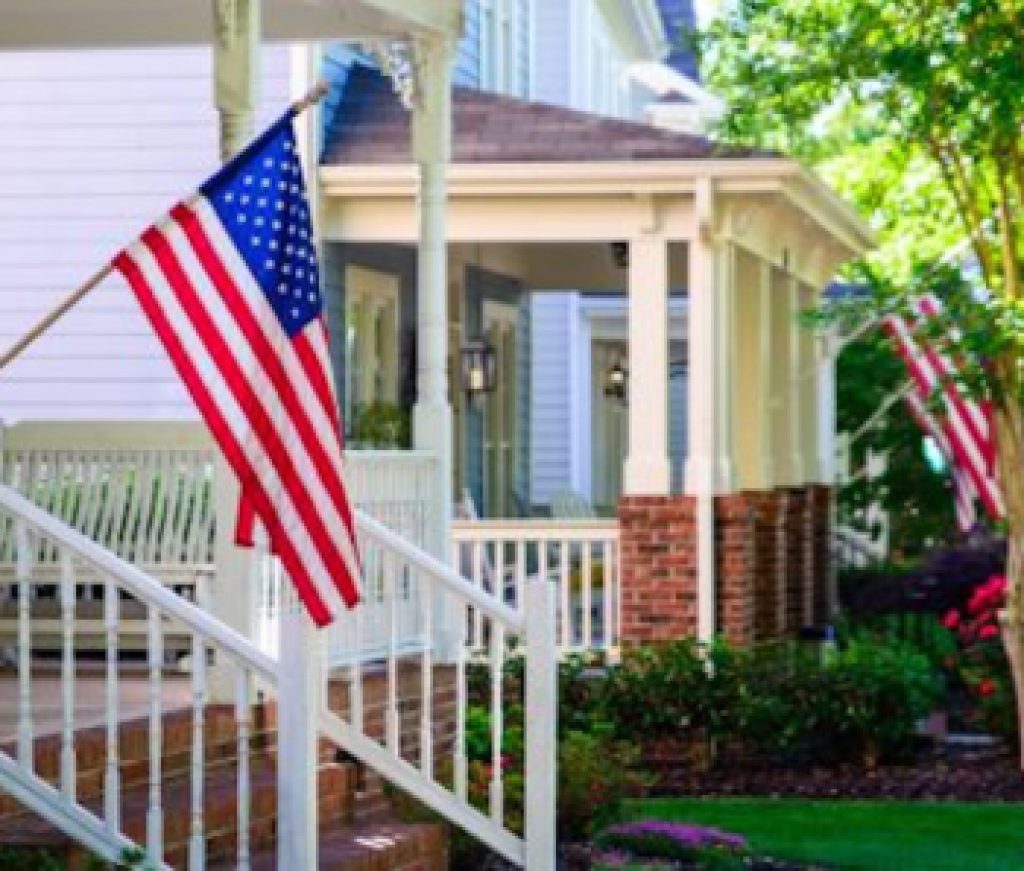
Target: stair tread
(370, 846)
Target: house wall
(94, 145)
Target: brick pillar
(819, 510)
(769, 562)
(734, 567)
(793, 534)
(658, 541)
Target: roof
(372, 127)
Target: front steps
(357, 831)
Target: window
(501, 29)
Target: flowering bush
(981, 660)
(710, 847)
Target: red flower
(986, 687)
(988, 631)
(952, 619)
(949, 662)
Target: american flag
(964, 423)
(229, 281)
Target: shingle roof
(371, 126)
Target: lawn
(863, 836)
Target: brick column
(734, 562)
(658, 541)
(769, 562)
(792, 532)
(819, 550)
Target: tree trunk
(1010, 451)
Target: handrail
(537, 529)
(139, 584)
(488, 605)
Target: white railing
(36, 533)
(427, 757)
(581, 558)
(856, 549)
(400, 490)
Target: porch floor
(90, 697)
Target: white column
(432, 415)
(725, 375)
(236, 57)
(702, 418)
(827, 442)
(766, 470)
(647, 469)
(795, 388)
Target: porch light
(615, 382)
(479, 369)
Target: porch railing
(430, 759)
(580, 557)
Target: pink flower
(988, 631)
(952, 619)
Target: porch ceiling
(52, 24)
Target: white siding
(551, 419)
(551, 54)
(94, 145)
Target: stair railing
(126, 587)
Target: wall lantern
(479, 368)
(615, 382)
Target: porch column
(432, 415)
(236, 57)
(235, 64)
(702, 462)
(647, 469)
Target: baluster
(355, 687)
(112, 773)
(477, 636)
(24, 572)
(243, 714)
(67, 675)
(608, 589)
(391, 596)
(497, 722)
(460, 704)
(565, 594)
(155, 814)
(586, 569)
(427, 681)
(499, 570)
(520, 574)
(197, 839)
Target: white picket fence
(579, 556)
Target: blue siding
(338, 60)
(467, 57)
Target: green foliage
(776, 704)
(383, 425)
(28, 859)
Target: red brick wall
(734, 567)
(772, 563)
(657, 537)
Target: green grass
(863, 836)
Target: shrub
(779, 703)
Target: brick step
(220, 744)
(374, 846)
(335, 793)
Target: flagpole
(313, 96)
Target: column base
(647, 475)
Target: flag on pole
(229, 281)
(964, 423)
(964, 494)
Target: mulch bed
(942, 774)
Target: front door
(500, 322)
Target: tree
(939, 83)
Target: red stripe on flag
(252, 488)
(262, 426)
(238, 306)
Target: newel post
(541, 726)
(300, 700)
